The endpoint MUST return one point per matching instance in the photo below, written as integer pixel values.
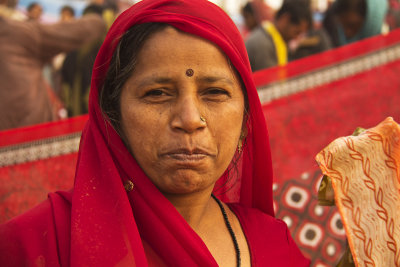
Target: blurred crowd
(293, 32)
(46, 68)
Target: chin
(185, 184)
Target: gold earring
(240, 143)
(128, 185)
(240, 146)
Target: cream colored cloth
(365, 173)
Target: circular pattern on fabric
(318, 210)
(296, 197)
(336, 224)
(288, 221)
(310, 234)
(331, 249)
(275, 187)
(305, 175)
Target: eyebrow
(213, 79)
(153, 80)
(165, 80)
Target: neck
(193, 207)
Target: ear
(244, 131)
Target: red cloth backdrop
(35, 161)
(307, 104)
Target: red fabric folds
(107, 227)
(99, 202)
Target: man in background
(267, 44)
(254, 13)
(34, 11)
(67, 13)
(76, 71)
(25, 47)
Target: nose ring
(203, 119)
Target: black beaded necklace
(228, 225)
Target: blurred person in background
(76, 71)
(393, 15)
(67, 13)
(34, 11)
(52, 71)
(314, 41)
(254, 13)
(8, 10)
(348, 21)
(110, 12)
(25, 47)
(267, 43)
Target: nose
(186, 115)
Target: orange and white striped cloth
(365, 173)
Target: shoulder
(31, 238)
(256, 219)
(258, 37)
(268, 238)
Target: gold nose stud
(203, 119)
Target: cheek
(227, 131)
(139, 127)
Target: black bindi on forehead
(189, 72)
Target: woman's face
(180, 79)
(351, 22)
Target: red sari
(100, 224)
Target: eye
(216, 94)
(156, 95)
(155, 92)
(217, 91)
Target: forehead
(173, 46)
(351, 16)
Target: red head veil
(110, 226)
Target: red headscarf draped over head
(109, 226)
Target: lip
(185, 155)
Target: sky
(52, 7)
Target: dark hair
(68, 9)
(32, 5)
(123, 63)
(298, 11)
(248, 8)
(357, 6)
(121, 67)
(93, 9)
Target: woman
(172, 109)
(348, 21)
